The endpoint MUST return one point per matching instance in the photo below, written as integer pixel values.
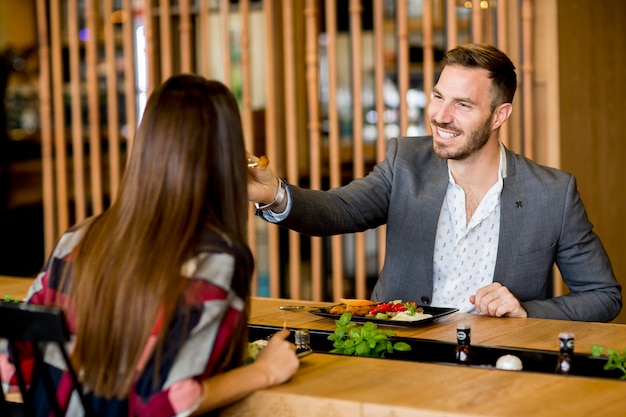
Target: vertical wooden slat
(246, 104)
(333, 142)
(112, 101)
(185, 36)
(403, 63)
(76, 109)
(151, 50)
(130, 85)
(60, 156)
(477, 22)
(356, 10)
(452, 33)
(225, 47)
(502, 39)
(429, 53)
(165, 30)
(292, 139)
(527, 77)
(45, 88)
(204, 41)
(381, 140)
(271, 134)
(501, 27)
(95, 169)
(312, 75)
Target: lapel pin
(519, 204)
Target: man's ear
(501, 114)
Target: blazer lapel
(435, 186)
(513, 209)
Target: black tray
(435, 311)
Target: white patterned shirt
(465, 256)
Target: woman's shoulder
(71, 238)
(215, 252)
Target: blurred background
(322, 86)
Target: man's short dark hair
(497, 63)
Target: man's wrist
(279, 198)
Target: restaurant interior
(322, 85)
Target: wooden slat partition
(165, 32)
(95, 138)
(225, 47)
(356, 40)
(403, 63)
(246, 102)
(45, 111)
(185, 36)
(130, 85)
(452, 33)
(379, 81)
(60, 159)
(477, 22)
(299, 61)
(113, 124)
(333, 140)
(76, 81)
(429, 51)
(291, 127)
(503, 41)
(527, 77)
(151, 46)
(273, 136)
(203, 50)
(315, 174)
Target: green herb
(367, 340)
(11, 299)
(615, 358)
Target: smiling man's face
(460, 112)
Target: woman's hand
(278, 360)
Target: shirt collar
(501, 168)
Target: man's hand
(262, 183)
(496, 300)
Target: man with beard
(470, 224)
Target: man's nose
(440, 112)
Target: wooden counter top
(514, 332)
(341, 386)
(14, 286)
(334, 385)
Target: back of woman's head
(188, 157)
(186, 173)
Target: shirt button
(425, 300)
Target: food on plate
(358, 302)
(392, 310)
(355, 310)
(406, 316)
(254, 348)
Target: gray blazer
(543, 222)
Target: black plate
(435, 311)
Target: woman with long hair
(156, 287)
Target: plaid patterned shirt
(198, 341)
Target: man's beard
(475, 140)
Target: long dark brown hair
(186, 172)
